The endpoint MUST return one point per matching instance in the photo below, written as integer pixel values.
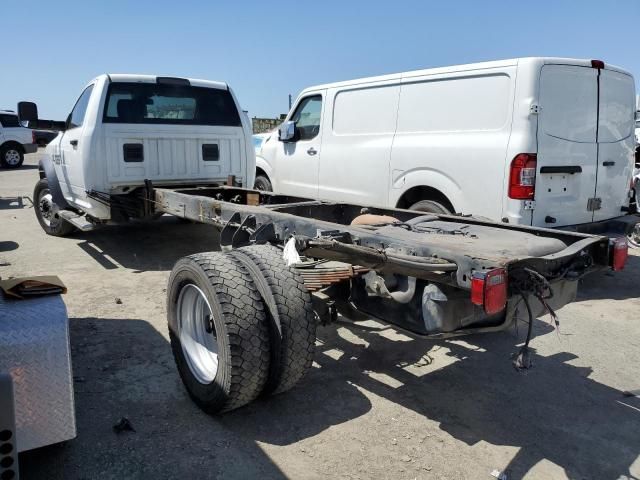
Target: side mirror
(287, 131)
(28, 112)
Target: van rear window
(151, 103)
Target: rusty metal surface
(322, 274)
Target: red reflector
(619, 254)
(522, 177)
(597, 64)
(489, 289)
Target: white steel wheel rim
(48, 209)
(634, 236)
(197, 333)
(12, 157)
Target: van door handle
(312, 151)
(73, 143)
(608, 163)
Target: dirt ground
(377, 404)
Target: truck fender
(45, 166)
(426, 178)
(263, 165)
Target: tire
(634, 236)
(239, 338)
(292, 319)
(46, 211)
(11, 156)
(263, 183)
(430, 206)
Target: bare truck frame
(242, 321)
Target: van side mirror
(28, 112)
(287, 131)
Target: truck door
(615, 143)
(297, 163)
(69, 166)
(567, 149)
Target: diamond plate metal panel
(34, 350)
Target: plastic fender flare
(425, 178)
(46, 165)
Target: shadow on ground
(124, 368)
(144, 246)
(608, 285)
(13, 203)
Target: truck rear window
(152, 103)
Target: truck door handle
(73, 143)
(608, 163)
(312, 151)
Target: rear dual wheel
(223, 312)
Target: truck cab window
(307, 117)
(80, 108)
(9, 121)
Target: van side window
(307, 117)
(80, 108)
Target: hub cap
(12, 157)
(634, 236)
(48, 209)
(197, 333)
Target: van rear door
(615, 143)
(567, 145)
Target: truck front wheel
(218, 330)
(47, 211)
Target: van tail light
(33, 136)
(489, 290)
(619, 253)
(522, 177)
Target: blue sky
(266, 50)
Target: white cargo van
(536, 141)
(15, 140)
(127, 132)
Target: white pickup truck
(126, 131)
(15, 140)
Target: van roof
(130, 77)
(463, 68)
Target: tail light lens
(522, 177)
(619, 253)
(33, 136)
(489, 290)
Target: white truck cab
(15, 140)
(127, 130)
(546, 142)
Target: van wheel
(218, 330)
(430, 206)
(263, 183)
(292, 319)
(11, 156)
(47, 211)
(634, 236)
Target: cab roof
(132, 78)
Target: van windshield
(151, 103)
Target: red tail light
(33, 136)
(489, 290)
(619, 253)
(597, 64)
(522, 177)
